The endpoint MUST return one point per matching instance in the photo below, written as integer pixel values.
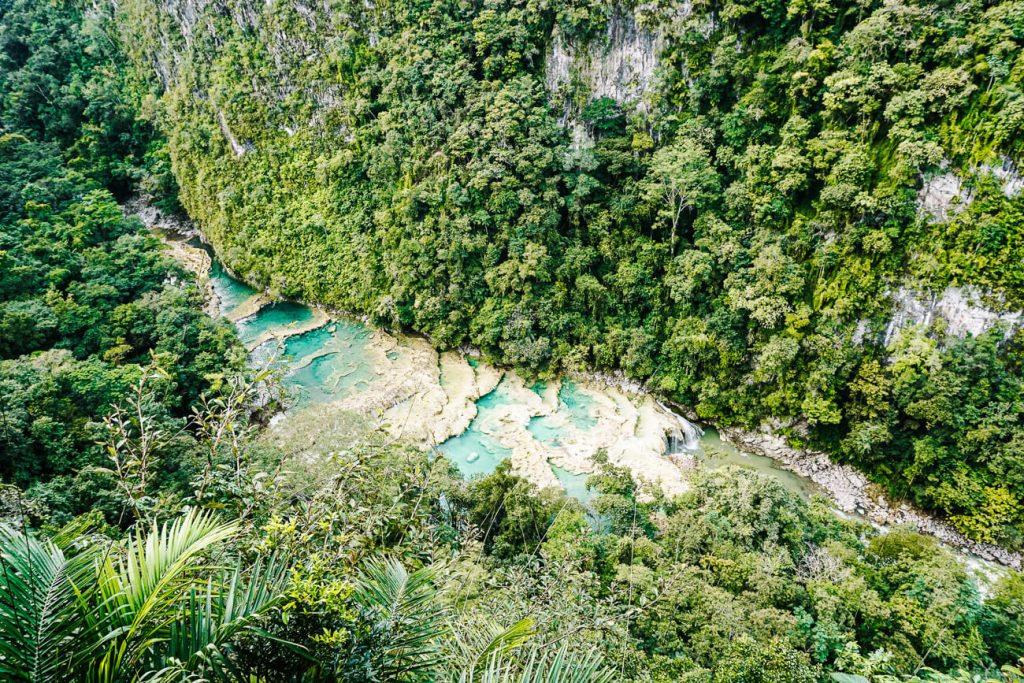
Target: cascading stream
(550, 430)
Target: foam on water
(688, 438)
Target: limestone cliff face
(960, 310)
(180, 22)
(253, 83)
(286, 70)
(966, 310)
(621, 64)
(945, 194)
(942, 196)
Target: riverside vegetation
(732, 243)
(149, 533)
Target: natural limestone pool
(475, 414)
(477, 450)
(346, 376)
(324, 364)
(231, 293)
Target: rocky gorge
(432, 399)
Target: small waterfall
(686, 439)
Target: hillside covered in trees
(733, 215)
(728, 201)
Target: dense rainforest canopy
(733, 235)
(86, 298)
(731, 240)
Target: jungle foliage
(378, 562)
(732, 243)
(87, 299)
(147, 533)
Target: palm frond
(141, 592)
(478, 643)
(40, 590)
(158, 609)
(407, 619)
(200, 638)
(561, 666)
(155, 561)
(74, 533)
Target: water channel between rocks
(346, 375)
(475, 414)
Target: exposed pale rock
(643, 451)
(621, 65)
(961, 308)
(850, 490)
(250, 306)
(174, 232)
(860, 333)
(426, 398)
(508, 424)
(942, 196)
(237, 147)
(1008, 175)
(318, 320)
(461, 391)
(407, 397)
(175, 225)
(487, 378)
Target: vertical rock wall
(961, 309)
(622, 65)
(943, 195)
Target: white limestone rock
(960, 308)
(943, 195)
(1008, 175)
(622, 64)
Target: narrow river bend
(343, 374)
(473, 413)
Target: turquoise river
(328, 360)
